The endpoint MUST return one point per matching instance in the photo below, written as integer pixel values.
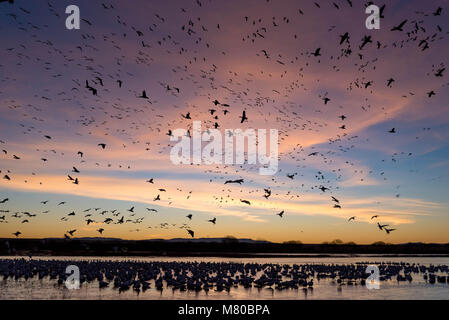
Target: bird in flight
(389, 82)
(399, 27)
(388, 230)
(243, 117)
(214, 220)
(245, 201)
(317, 52)
(239, 181)
(280, 214)
(352, 218)
(191, 233)
(189, 216)
(376, 216)
(344, 38)
(143, 95)
(381, 226)
(267, 193)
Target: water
(323, 289)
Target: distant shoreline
(232, 248)
(236, 255)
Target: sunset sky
(256, 56)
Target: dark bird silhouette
(280, 214)
(243, 117)
(438, 11)
(399, 27)
(191, 233)
(335, 199)
(103, 145)
(100, 230)
(317, 52)
(189, 216)
(393, 130)
(365, 41)
(390, 81)
(239, 181)
(375, 216)
(143, 95)
(187, 116)
(214, 220)
(267, 193)
(17, 234)
(4, 200)
(344, 38)
(388, 230)
(440, 72)
(75, 170)
(352, 218)
(245, 201)
(380, 226)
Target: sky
(255, 56)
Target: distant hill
(210, 240)
(227, 246)
(206, 240)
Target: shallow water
(323, 289)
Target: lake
(324, 288)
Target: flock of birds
(205, 276)
(105, 101)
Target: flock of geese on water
(219, 276)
